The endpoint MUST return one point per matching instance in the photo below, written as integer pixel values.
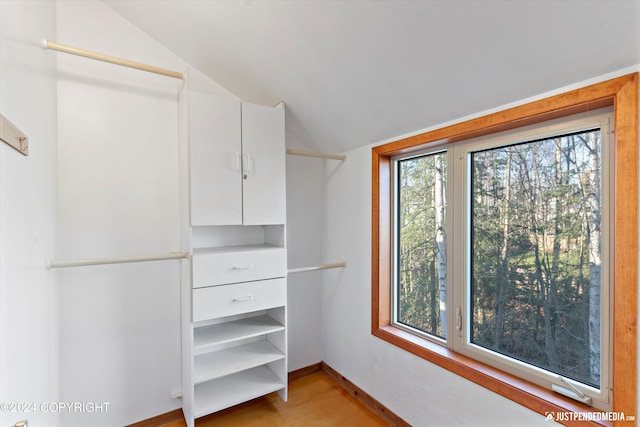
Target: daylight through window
(526, 287)
(535, 253)
(421, 249)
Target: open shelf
(229, 236)
(227, 391)
(220, 363)
(208, 336)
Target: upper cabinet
(263, 155)
(237, 162)
(215, 151)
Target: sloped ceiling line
(355, 72)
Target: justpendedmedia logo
(588, 416)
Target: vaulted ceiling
(354, 72)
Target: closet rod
(115, 260)
(111, 59)
(314, 154)
(318, 267)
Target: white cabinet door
(216, 180)
(263, 155)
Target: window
(531, 238)
(421, 268)
(497, 249)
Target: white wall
(28, 314)
(118, 195)
(305, 216)
(419, 392)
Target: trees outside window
(535, 253)
(499, 247)
(421, 251)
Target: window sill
(529, 395)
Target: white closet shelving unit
(235, 294)
(233, 209)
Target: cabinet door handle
(248, 167)
(245, 298)
(243, 267)
(238, 163)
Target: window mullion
(456, 236)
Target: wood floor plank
(315, 400)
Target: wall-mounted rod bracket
(10, 134)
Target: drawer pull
(247, 298)
(243, 267)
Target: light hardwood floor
(315, 400)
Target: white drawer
(220, 268)
(227, 300)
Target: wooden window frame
(622, 94)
